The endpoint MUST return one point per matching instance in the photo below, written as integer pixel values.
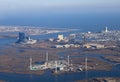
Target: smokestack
(68, 60)
(46, 56)
(56, 67)
(30, 63)
(86, 63)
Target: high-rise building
(25, 40)
(21, 37)
(60, 37)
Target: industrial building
(59, 64)
(60, 38)
(55, 65)
(93, 46)
(68, 46)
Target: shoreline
(80, 76)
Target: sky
(60, 6)
(17, 9)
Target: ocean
(85, 21)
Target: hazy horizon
(60, 13)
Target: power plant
(55, 65)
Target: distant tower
(21, 37)
(86, 63)
(84, 39)
(86, 68)
(30, 63)
(68, 60)
(47, 57)
(106, 29)
(56, 67)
